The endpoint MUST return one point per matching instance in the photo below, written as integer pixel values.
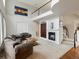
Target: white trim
(54, 2)
(43, 15)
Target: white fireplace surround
(56, 37)
(56, 28)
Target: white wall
(70, 21)
(13, 20)
(70, 26)
(2, 7)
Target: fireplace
(51, 36)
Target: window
(4, 2)
(2, 28)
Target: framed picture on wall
(51, 25)
(21, 11)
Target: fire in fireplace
(51, 36)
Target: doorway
(43, 30)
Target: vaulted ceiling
(34, 3)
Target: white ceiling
(34, 3)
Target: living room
(44, 30)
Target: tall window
(4, 2)
(2, 28)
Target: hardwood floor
(71, 54)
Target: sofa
(24, 51)
(15, 47)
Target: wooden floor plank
(71, 54)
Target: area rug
(49, 50)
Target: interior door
(43, 30)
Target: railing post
(75, 38)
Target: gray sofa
(16, 49)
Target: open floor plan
(39, 29)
